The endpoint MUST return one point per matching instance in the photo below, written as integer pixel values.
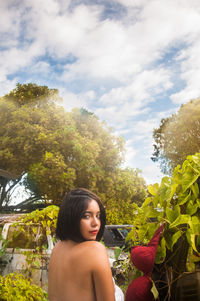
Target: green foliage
(35, 225)
(60, 177)
(33, 260)
(51, 151)
(154, 290)
(176, 202)
(117, 252)
(16, 287)
(126, 191)
(123, 270)
(46, 219)
(32, 94)
(126, 184)
(4, 244)
(177, 136)
(120, 212)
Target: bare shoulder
(92, 249)
(96, 254)
(93, 245)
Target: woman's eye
(98, 216)
(86, 216)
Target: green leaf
(181, 219)
(153, 189)
(188, 179)
(172, 214)
(37, 264)
(165, 189)
(175, 238)
(191, 208)
(195, 225)
(161, 251)
(117, 252)
(193, 243)
(154, 290)
(150, 212)
(147, 202)
(195, 190)
(183, 198)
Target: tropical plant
(176, 202)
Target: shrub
(16, 287)
(46, 218)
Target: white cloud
(133, 3)
(106, 48)
(150, 170)
(72, 100)
(42, 67)
(14, 59)
(141, 90)
(61, 34)
(7, 85)
(190, 73)
(130, 154)
(130, 59)
(122, 104)
(9, 23)
(152, 173)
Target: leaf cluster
(35, 225)
(176, 202)
(16, 287)
(46, 219)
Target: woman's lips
(94, 232)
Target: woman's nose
(95, 221)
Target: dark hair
(71, 211)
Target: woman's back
(80, 271)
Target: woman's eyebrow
(87, 211)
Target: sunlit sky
(131, 62)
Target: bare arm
(102, 275)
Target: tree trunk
(3, 195)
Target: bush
(46, 218)
(16, 287)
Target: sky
(131, 62)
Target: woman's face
(90, 222)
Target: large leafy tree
(22, 132)
(50, 151)
(178, 136)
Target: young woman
(79, 268)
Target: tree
(51, 151)
(111, 181)
(124, 190)
(33, 95)
(178, 136)
(21, 135)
